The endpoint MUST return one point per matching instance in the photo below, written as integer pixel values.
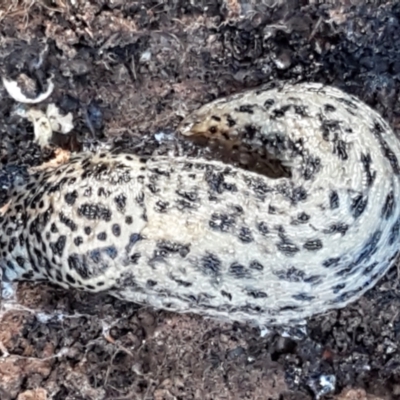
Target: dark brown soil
(132, 69)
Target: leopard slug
(194, 235)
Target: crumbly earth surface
(129, 72)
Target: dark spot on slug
(231, 122)
(245, 235)
(116, 230)
(221, 222)
(246, 108)
(58, 247)
(78, 241)
(329, 108)
(340, 227)
(334, 200)
(340, 148)
(366, 162)
(71, 197)
(255, 265)
(120, 201)
(331, 262)
(256, 294)
(93, 211)
(226, 294)
(358, 205)
(150, 283)
(394, 232)
(269, 103)
(102, 236)
(238, 271)
(338, 288)
(161, 206)
(301, 110)
(387, 152)
(210, 265)
(313, 245)
(303, 297)
(287, 247)
(388, 207)
(263, 228)
(68, 222)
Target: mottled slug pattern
(192, 235)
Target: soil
(130, 70)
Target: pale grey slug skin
(191, 235)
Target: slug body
(191, 235)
